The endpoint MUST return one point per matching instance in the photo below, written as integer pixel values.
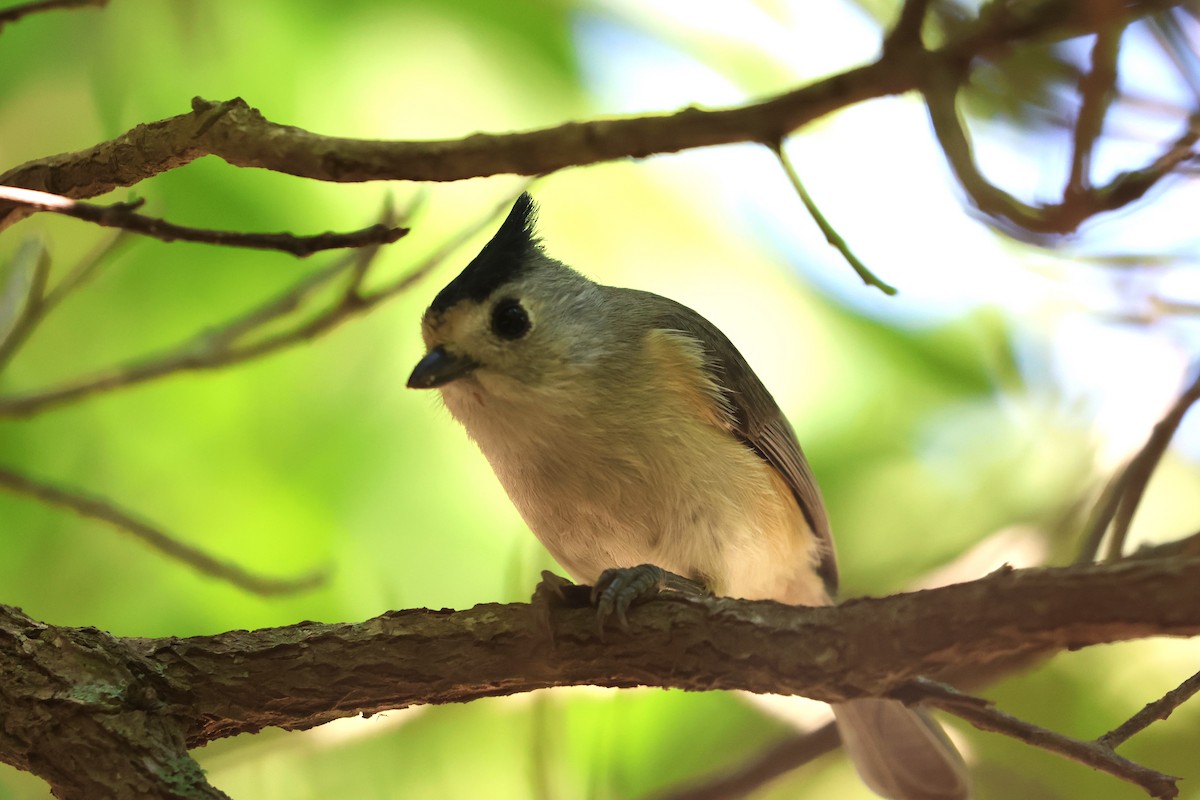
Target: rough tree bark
(76, 698)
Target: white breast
(604, 486)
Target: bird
(639, 445)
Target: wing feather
(753, 416)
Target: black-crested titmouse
(628, 431)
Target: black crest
(500, 260)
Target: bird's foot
(618, 588)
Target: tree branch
(303, 675)
(123, 216)
(1097, 89)
(39, 303)
(831, 235)
(232, 342)
(25, 9)
(22, 307)
(1123, 493)
(1160, 709)
(940, 90)
(1143, 465)
(81, 710)
(862, 647)
(239, 134)
(202, 689)
(776, 760)
(169, 545)
(906, 32)
(986, 717)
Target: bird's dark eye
(509, 319)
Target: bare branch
(225, 345)
(34, 311)
(25, 303)
(1160, 709)
(984, 716)
(240, 135)
(82, 272)
(940, 89)
(209, 687)
(96, 508)
(1097, 89)
(831, 235)
(123, 216)
(1125, 488)
(1187, 547)
(17, 12)
(1142, 466)
(774, 761)
(906, 33)
(867, 646)
(1102, 514)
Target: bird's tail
(900, 753)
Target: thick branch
(303, 675)
(79, 709)
(203, 688)
(240, 135)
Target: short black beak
(438, 368)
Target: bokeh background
(964, 423)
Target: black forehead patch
(501, 259)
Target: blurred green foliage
(924, 437)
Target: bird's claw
(619, 588)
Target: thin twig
(34, 312)
(984, 716)
(831, 235)
(1129, 482)
(357, 262)
(99, 509)
(31, 258)
(82, 272)
(236, 328)
(1142, 467)
(123, 216)
(17, 12)
(1160, 709)
(219, 347)
(775, 760)
(1102, 514)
